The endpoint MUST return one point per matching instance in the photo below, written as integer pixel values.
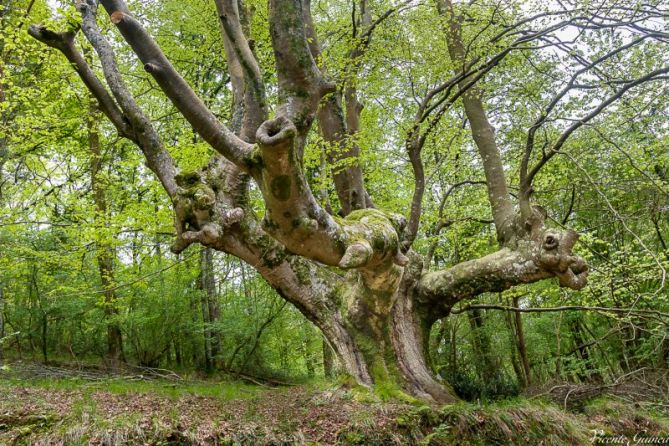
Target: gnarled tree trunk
(356, 278)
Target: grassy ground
(71, 411)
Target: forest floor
(44, 406)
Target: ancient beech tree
(352, 273)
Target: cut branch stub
(556, 256)
(276, 132)
(374, 239)
(116, 17)
(61, 41)
(365, 239)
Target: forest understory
(68, 405)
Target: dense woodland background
(83, 222)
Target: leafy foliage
(609, 182)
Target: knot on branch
(197, 216)
(531, 222)
(373, 239)
(117, 17)
(151, 68)
(276, 133)
(556, 257)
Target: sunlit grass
(231, 390)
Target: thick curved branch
(415, 145)
(312, 289)
(292, 214)
(175, 87)
(482, 131)
(549, 254)
(365, 239)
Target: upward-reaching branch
(526, 174)
(482, 131)
(64, 42)
(250, 109)
(128, 125)
(564, 136)
(175, 87)
(339, 128)
(339, 115)
(145, 135)
(367, 239)
(301, 84)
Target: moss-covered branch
(548, 254)
(365, 239)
